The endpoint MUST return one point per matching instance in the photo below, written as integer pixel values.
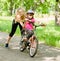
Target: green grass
(50, 34)
(1, 45)
(5, 26)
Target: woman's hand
(21, 23)
(17, 18)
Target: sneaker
(6, 45)
(22, 49)
(28, 47)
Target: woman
(19, 19)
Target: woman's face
(20, 14)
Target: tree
(57, 14)
(43, 6)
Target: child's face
(30, 16)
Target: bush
(50, 34)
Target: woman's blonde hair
(21, 12)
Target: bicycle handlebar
(40, 25)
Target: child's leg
(32, 42)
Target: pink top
(29, 25)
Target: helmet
(30, 12)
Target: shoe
(22, 46)
(28, 47)
(6, 45)
(22, 49)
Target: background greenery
(8, 7)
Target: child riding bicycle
(29, 26)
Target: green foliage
(5, 26)
(8, 7)
(50, 34)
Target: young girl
(29, 26)
(19, 19)
(29, 23)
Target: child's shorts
(29, 33)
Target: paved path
(45, 53)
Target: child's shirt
(29, 24)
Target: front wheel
(33, 49)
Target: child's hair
(21, 12)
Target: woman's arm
(22, 24)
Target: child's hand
(17, 18)
(29, 20)
(42, 24)
(33, 27)
(26, 19)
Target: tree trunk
(57, 13)
(11, 6)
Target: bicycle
(26, 44)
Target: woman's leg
(8, 39)
(14, 27)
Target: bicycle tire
(34, 53)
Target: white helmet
(30, 12)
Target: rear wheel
(33, 49)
